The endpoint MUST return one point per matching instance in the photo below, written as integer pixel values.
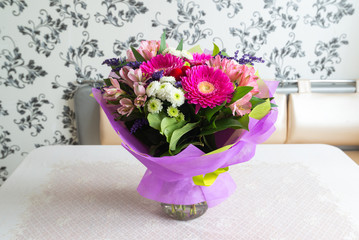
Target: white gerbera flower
(152, 88)
(176, 97)
(164, 90)
(172, 111)
(154, 105)
(168, 79)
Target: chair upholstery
(329, 118)
(87, 117)
(107, 135)
(353, 155)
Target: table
(89, 192)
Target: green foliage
(215, 50)
(155, 119)
(255, 101)
(240, 92)
(211, 111)
(180, 45)
(107, 82)
(178, 133)
(163, 42)
(137, 55)
(169, 126)
(261, 110)
(224, 123)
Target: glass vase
(184, 212)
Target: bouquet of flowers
(187, 116)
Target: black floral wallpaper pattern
(49, 48)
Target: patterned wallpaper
(48, 47)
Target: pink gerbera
(199, 59)
(207, 87)
(166, 63)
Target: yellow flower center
(205, 87)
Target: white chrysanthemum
(176, 97)
(186, 54)
(178, 53)
(173, 51)
(168, 79)
(172, 111)
(164, 90)
(154, 105)
(152, 88)
(180, 117)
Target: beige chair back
(329, 118)
(108, 136)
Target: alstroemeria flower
(139, 89)
(140, 101)
(242, 106)
(113, 92)
(248, 78)
(137, 76)
(148, 50)
(229, 67)
(241, 75)
(124, 76)
(126, 107)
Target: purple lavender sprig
(245, 59)
(157, 75)
(117, 63)
(113, 62)
(138, 124)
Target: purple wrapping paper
(169, 179)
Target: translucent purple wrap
(169, 179)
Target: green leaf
(180, 45)
(196, 49)
(244, 120)
(240, 92)
(211, 111)
(169, 125)
(137, 55)
(255, 101)
(225, 123)
(167, 121)
(178, 133)
(273, 105)
(168, 131)
(215, 50)
(260, 110)
(163, 42)
(224, 54)
(107, 82)
(155, 119)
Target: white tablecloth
(89, 192)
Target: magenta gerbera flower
(199, 59)
(166, 63)
(207, 87)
